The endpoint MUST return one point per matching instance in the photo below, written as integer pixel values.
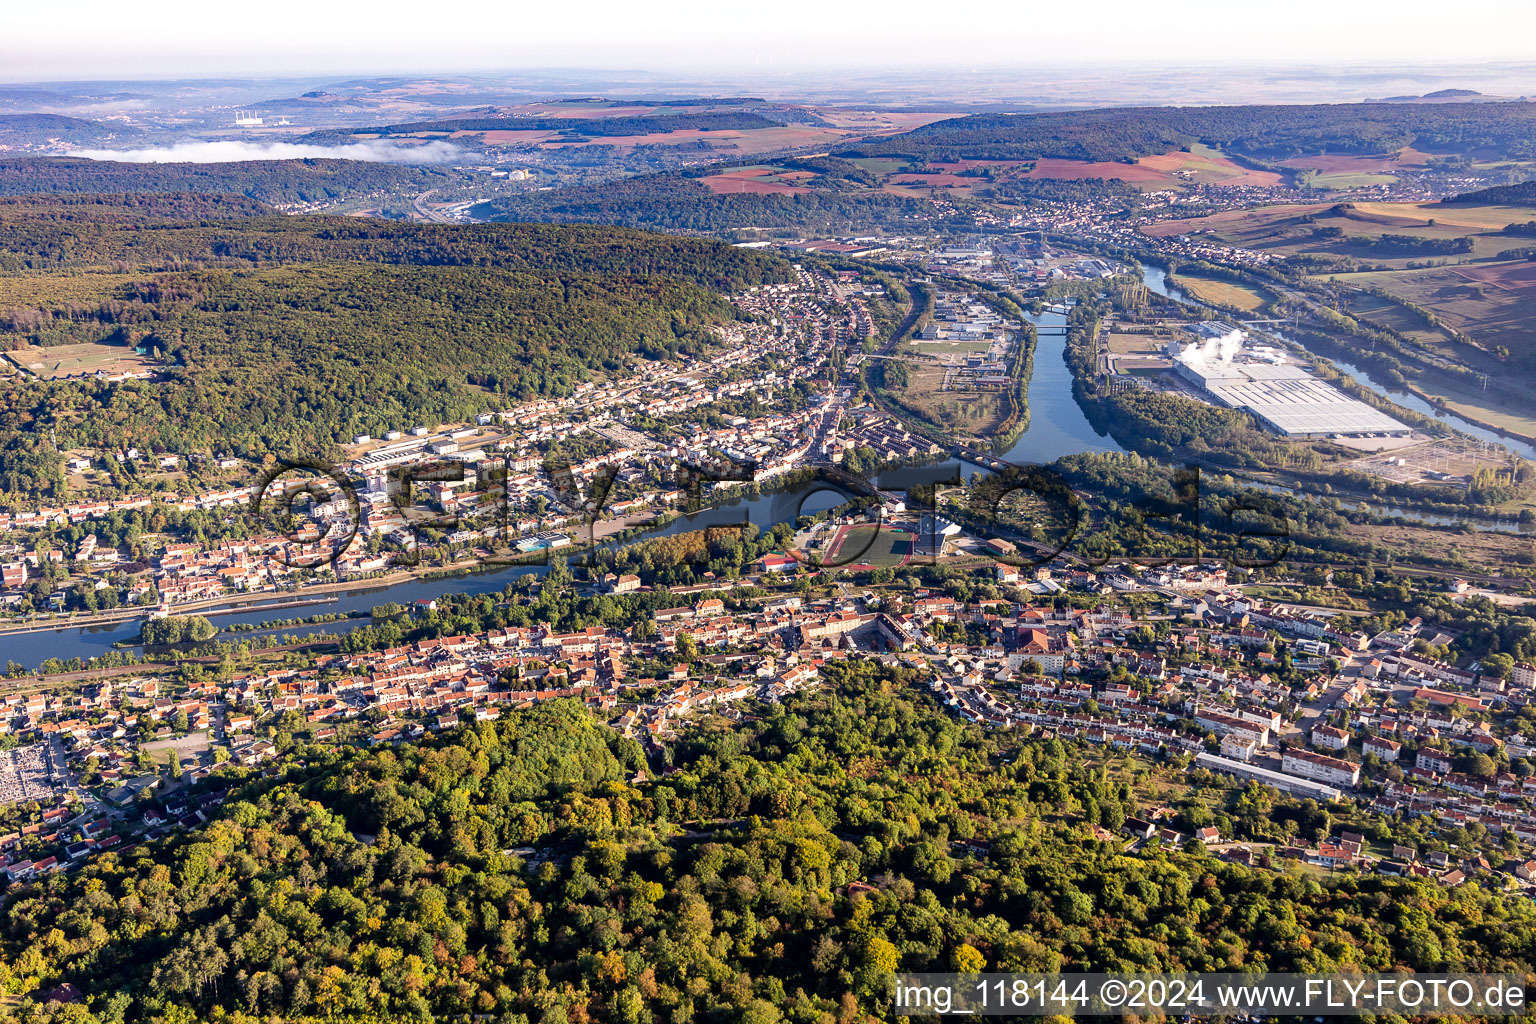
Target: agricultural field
(1338, 163)
(1254, 228)
(1487, 316)
(726, 141)
(1470, 217)
(1333, 172)
(1350, 232)
(1493, 302)
(1500, 410)
(878, 122)
(1245, 297)
(1137, 352)
(1200, 165)
(1130, 343)
(822, 127)
(1206, 166)
(1078, 170)
(1339, 172)
(881, 164)
(762, 179)
(1380, 310)
(1349, 182)
(1178, 169)
(933, 186)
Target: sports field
(876, 546)
(57, 361)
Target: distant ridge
(1522, 194)
(267, 181)
(592, 127)
(34, 127)
(1444, 95)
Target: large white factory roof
(1288, 399)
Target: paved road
(419, 204)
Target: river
(32, 649)
(1156, 279)
(1057, 428)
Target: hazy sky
(92, 39)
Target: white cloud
(100, 39)
(377, 151)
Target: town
(1178, 666)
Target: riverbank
(64, 638)
(1437, 402)
(214, 607)
(1405, 397)
(320, 593)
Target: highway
(425, 212)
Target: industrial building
(1284, 397)
(1282, 781)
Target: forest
(1491, 130)
(1523, 194)
(269, 181)
(678, 202)
(1414, 245)
(281, 335)
(534, 869)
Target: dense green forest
(679, 202)
(104, 233)
(274, 359)
(1414, 245)
(270, 181)
(287, 335)
(518, 870)
(1523, 194)
(36, 224)
(1502, 130)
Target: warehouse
(1287, 399)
